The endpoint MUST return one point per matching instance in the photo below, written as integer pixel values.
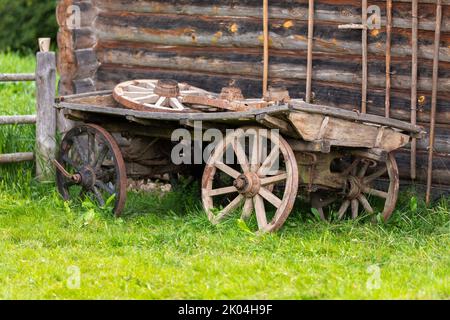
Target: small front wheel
(91, 164)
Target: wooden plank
(348, 11)
(46, 113)
(277, 123)
(354, 116)
(283, 64)
(181, 30)
(16, 157)
(83, 95)
(345, 133)
(216, 116)
(31, 119)
(11, 77)
(437, 42)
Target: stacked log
(208, 43)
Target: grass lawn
(164, 247)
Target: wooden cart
(342, 161)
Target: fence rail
(45, 118)
(11, 77)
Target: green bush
(22, 22)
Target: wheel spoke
(362, 171)
(375, 175)
(248, 209)
(269, 196)
(226, 169)
(70, 162)
(222, 191)
(255, 155)
(260, 212)
(274, 179)
(352, 167)
(343, 209)
(229, 208)
(365, 203)
(90, 146)
(105, 187)
(240, 153)
(98, 196)
(139, 89)
(355, 209)
(79, 151)
(376, 193)
(269, 162)
(160, 102)
(101, 157)
(151, 98)
(174, 103)
(69, 184)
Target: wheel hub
(248, 184)
(355, 188)
(87, 175)
(167, 88)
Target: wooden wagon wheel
(90, 163)
(362, 191)
(155, 95)
(253, 180)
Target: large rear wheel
(253, 172)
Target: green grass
(17, 98)
(164, 247)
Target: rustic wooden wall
(208, 43)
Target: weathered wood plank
(247, 115)
(336, 68)
(46, 114)
(342, 11)
(5, 77)
(17, 120)
(16, 157)
(354, 116)
(342, 132)
(182, 30)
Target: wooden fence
(45, 118)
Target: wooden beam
(266, 46)
(309, 68)
(355, 116)
(16, 157)
(46, 113)
(11, 77)
(437, 42)
(388, 57)
(17, 119)
(364, 58)
(415, 31)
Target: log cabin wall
(208, 43)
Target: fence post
(46, 114)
